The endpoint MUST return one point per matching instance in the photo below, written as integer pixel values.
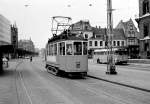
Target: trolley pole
(111, 69)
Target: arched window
(145, 7)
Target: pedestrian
(31, 59)
(98, 60)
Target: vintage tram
(67, 53)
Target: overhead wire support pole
(111, 69)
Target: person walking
(31, 59)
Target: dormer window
(86, 36)
(86, 27)
(145, 7)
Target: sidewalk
(8, 93)
(136, 79)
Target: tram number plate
(77, 64)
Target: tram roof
(64, 37)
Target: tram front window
(77, 48)
(69, 49)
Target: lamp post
(111, 69)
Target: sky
(34, 21)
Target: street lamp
(111, 69)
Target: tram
(120, 55)
(67, 53)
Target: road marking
(23, 84)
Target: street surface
(34, 85)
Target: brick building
(26, 45)
(14, 39)
(97, 36)
(82, 28)
(132, 37)
(144, 27)
(98, 41)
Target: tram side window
(77, 48)
(62, 48)
(49, 52)
(55, 49)
(69, 50)
(51, 49)
(85, 48)
(47, 49)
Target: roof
(125, 25)
(81, 26)
(100, 33)
(118, 34)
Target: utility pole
(111, 69)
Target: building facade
(144, 26)
(98, 41)
(96, 36)
(82, 28)
(5, 38)
(132, 37)
(14, 39)
(5, 31)
(26, 45)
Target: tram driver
(69, 49)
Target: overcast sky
(35, 20)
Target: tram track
(95, 91)
(100, 92)
(20, 76)
(72, 99)
(16, 88)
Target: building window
(145, 7)
(118, 43)
(146, 47)
(86, 27)
(106, 43)
(86, 36)
(90, 43)
(101, 43)
(131, 42)
(146, 30)
(114, 43)
(131, 27)
(123, 43)
(95, 43)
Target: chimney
(99, 27)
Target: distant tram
(66, 53)
(120, 55)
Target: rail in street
(34, 85)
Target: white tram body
(120, 56)
(67, 55)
